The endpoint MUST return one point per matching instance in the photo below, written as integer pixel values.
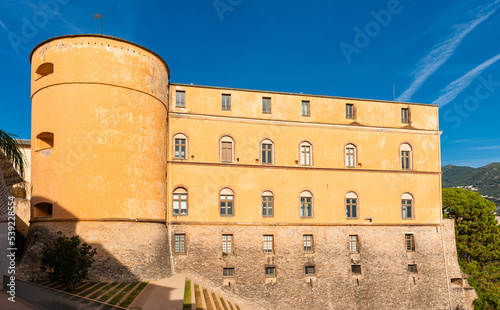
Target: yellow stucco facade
(377, 178)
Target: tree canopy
(478, 243)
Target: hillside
(486, 179)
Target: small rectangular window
(180, 148)
(353, 244)
(351, 205)
(267, 153)
(228, 272)
(226, 102)
(356, 269)
(405, 160)
(270, 272)
(267, 205)
(268, 243)
(180, 97)
(226, 151)
(180, 243)
(410, 242)
(349, 111)
(308, 243)
(412, 268)
(266, 105)
(310, 270)
(227, 243)
(405, 115)
(305, 108)
(406, 207)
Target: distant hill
(485, 179)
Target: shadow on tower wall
(127, 250)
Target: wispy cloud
(443, 51)
(472, 141)
(3, 25)
(453, 89)
(494, 147)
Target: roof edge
(100, 36)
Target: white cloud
(453, 89)
(494, 147)
(444, 50)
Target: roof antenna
(393, 92)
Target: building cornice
(240, 119)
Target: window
(356, 269)
(305, 108)
(180, 146)
(179, 200)
(44, 140)
(19, 192)
(351, 205)
(405, 115)
(349, 111)
(350, 156)
(226, 102)
(266, 105)
(410, 242)
(180, 99)
(353, 244)
(268, 243)
(44, 69)
(227, 243)
(412, 268)
(228, 272)
(306, 204)
(180, 243)
(407, 206)
(267, 203)
(226, 149)
(267, 151)
(270, 272)
(305, 154)
(226, 202)
(405, 151)
(308, 243)
(42, 209)
(310, 270)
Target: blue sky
(441, 52)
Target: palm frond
(10, 147)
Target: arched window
(267, 151)
(44, 140)
(42, 209)
(306, 204)
(350, 156)
(306, 154)
(407, 210)
(44, 69)
(267, 203)
(405, 153)
(180, 202)
(180, 146)
(226, 202)
(226, 149)
(351, 205)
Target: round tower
(99, 111)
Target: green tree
(10, 147)
(478, 243)
(67, 260)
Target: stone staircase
(204, 298)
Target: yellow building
(293, 201)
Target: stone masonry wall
(385, 282)
(126, 251)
